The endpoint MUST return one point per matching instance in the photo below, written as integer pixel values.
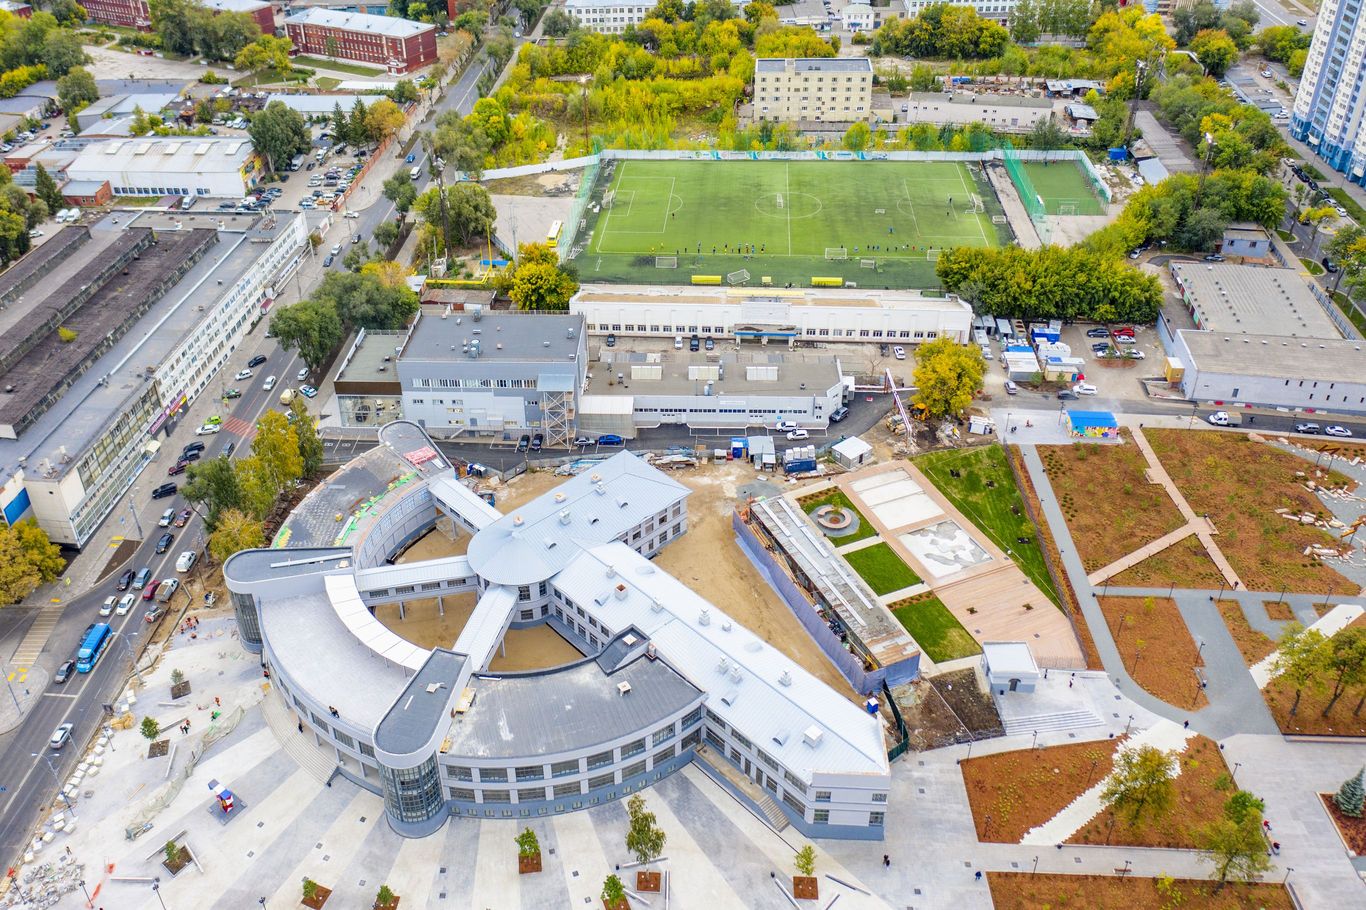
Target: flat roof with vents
(1251, 299)
(1277, 356)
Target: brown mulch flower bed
(1025, 788)
(1157, 648)
(1023, 891)
(1353, 830)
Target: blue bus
(93, 646)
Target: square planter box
(805, 887)
(528, 864)
(649, 881)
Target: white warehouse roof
(198, 155)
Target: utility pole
(1204, 169)
(1140, 69)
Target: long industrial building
(666, 677)
(108, 332)
(772, 316)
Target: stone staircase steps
(298, 746)
(769, 812)
(1045, 723)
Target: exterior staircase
(1049, 723)
(299, 746)
(714, 766)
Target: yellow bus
(553, 236)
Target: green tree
(364, 301)
(28, 559)
(613, 892)
(310, 445)
(947, 376)
(236, 530)
(279, 133)
(1235, 847)
(643, 839)
(77, 88)
(558, 23)
(527, 844)
(403, 92)
(312, 326)
(805, 860)
(1243, 805)
(62, 52)
(386, 232)
(258, 494)
(310, 889)
(276, 446)
(358, 125)
(1345, 662)
(1140, 785)
(1300, 659)
(399, 190)
(1351, 795)
(857, 137)
(150, 729)
(214, 485)
(1216, 51)
(468, 210)
(383, 119)
(46, 189)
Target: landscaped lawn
(1156, 647)
(1023, 789)
(1240, 482)
(1110, 507)
(354, 69)
(1311, 266)
(1197, 800)
(985, 493)
(1025, 891)
(934, 628)
(884, 571)
(1341, 198)
(1252, 644)
(1350, 310)
(835, 497)
(1184, 562)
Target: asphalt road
(27, 781)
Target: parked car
(167, 590)
(61, 736)
(140, 580)
(183, 518)
(328, 260)
(1330, 265)
(709, 343)
(839, 414)
(899, 352)
(611, 340)
(166, 489)
(151, 590)
(1214, 257)
(1219, 419)
(584, 441)
(125, 604)
(232, 393)
(537, 441)
(1124, 331)
(269, 383)
(307, 391)
(64, 672)
(694, 343)
(1097, 333)
(177, 468)
(244, 374)
(1067, 395)
(1135, 354)
(302, 374)
(524, 443)
(257, 360)
(195, 446)
(1011, 387)
(1084, 388)
(798, 434)
(1311, 428)
(1335, 430)
(107, 608)
(152, 615)
(164, 542)
(125, 579)
(611, 439)
(186, 560)
(208, 429)
(783, 426)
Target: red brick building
(14, 8)
(397, 45)
(88, 192)
(136, 14)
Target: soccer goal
(608, 198)
(666, 262)
(879, 211)
(1067, 208)
(739, 277)
(836, 252)
(932, 254)
(977, 206)
(867, 263)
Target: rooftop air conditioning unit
(813, 736)
(623, 688)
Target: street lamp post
(1236, 766)
(58, 781)
(1128, 725)
(156, 889)
(88, 899)
(133, 510)
(1288, 870)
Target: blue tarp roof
(1092, 419)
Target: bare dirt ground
(706, 558)
(108, 63)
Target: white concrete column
(401, 613)
(441, 604)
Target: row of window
(423, 382)
(722, 330)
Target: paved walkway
(1129, 560)
(1164, 735)
(1200, 524)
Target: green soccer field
(1065, 188)
(875, 223)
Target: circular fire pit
(834, 518)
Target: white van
(187, 202)
(416, 172)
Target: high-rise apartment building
(1329, 105)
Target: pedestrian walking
(1187, 725)
(886, 861)
(1266, 825)
(219, 704)
(1069, 684)
(301, 726)
(979, 875)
